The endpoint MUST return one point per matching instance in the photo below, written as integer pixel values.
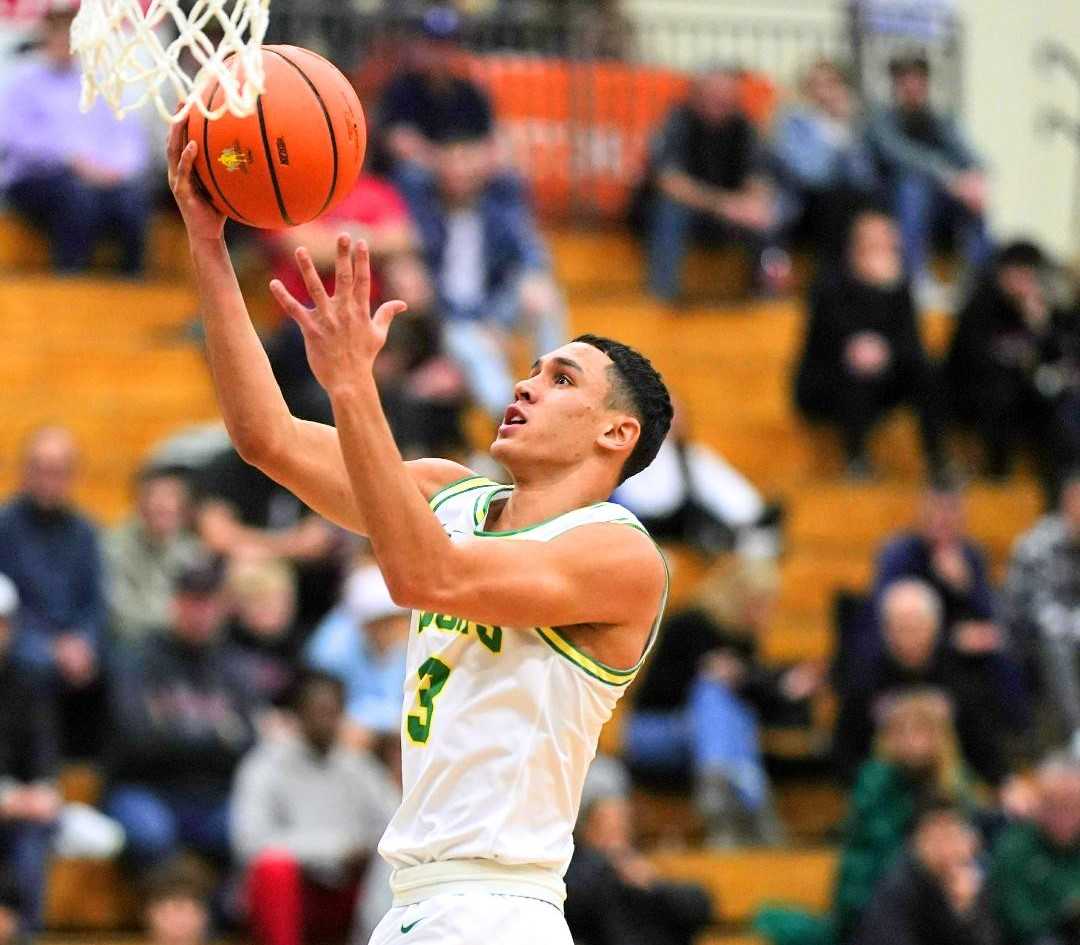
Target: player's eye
(563, 379)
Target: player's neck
(538, 500)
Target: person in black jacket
(704, 694)
(935, 893)
(1013, 366)
(862, 355)
(29, 753)
(613, 895)
(181, 723)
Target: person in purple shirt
(51, 554)
(81, 177)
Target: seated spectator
(1013, 366)
(704, 695)
(363, 642)
(242, 512)
(491, 269)
(689, 494)
(1035, 868)
(825, 166)
(264, 636)
(51, 553)
(939, 551)
(29, 802)
(936, 892)
(176, 909)
(432, 100)
(932, 174)
(983, 695)
(307, 815)
(613, 893)
(144, 554)
(1042, 605)
(81, 177)
(706, 178)
(181, 723)
(862, 355)
(916, 759)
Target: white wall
(1004, 92)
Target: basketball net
(169, 53)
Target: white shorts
(473, 919)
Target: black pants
(855, 405)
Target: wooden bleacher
(110, 360)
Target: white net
(167, 51)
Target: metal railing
(579, 92)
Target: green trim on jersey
(483, 506)
(459, 486)
(596, 669)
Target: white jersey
(500, 724)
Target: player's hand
(201, 219)
(341, 335)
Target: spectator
(243, 512)
(492, 271)
(51, 553)
(181, 723)
(933, 175)
(935, 893)
(432, 100)
(1042, 603)
(704, 694)
(825, 166)
(1013, 366)
(176, 910)
(940, 552)
(363, 642)
(862, 355)
(374, 211)
(690, 494)
(29, 803)
(80, 176)
(1035, 870)
(985, 702)
(614, 895)
(264, 635)
(707, 177)
(307, 815)
(916, 759)
(144, 554)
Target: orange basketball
(296, 156)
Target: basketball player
(534, 604)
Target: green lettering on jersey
(425, 620)
(446, 622)
(491, 637)
(433, 673)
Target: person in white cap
(29, 803)
(363, 642)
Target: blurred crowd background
(861, 722)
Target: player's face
(559, 411)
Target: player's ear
(620, 434)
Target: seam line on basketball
(329, 125)
(210, 160)
(270, 164)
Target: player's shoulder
(434, 476)
(612, 538)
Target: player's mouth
(514, 417)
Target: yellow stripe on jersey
(457, 488)
(596, 669)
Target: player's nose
(523, 390)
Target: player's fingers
(175, 144)
(362, 275)
(290, 305)
(387, 312)
(343, 266)
(312, 281)
(187, 161)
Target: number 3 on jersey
(433, 673)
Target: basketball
(295, 156)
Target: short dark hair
(1020, 253)
(935, 806)
(180, 878)
(638, 387)
(309, 679)
(910, 61)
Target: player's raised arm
(304, 457)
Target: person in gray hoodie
(307, 815)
